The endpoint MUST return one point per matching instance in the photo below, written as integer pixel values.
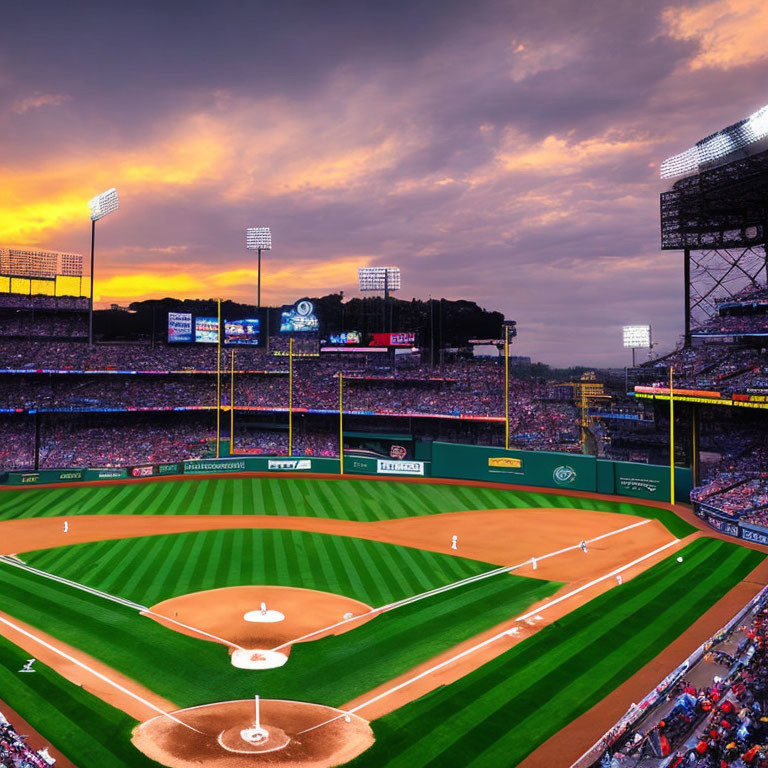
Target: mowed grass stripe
(344, 499)
(162, 575)
(491, 717)
(130, 567)
(89, 732)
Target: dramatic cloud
(729, 33)
(505, 152)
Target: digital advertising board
(345, 339)
(179, 327)
(245, 332)
(206, 330)
(402, 339)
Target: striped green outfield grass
(189, 671)
(362, 500)
(89, 732)
(149, 569)
(501, 712)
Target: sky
(502, 152)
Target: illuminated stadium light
(734, 138)
(103, 204)
(258, 239)
(637, 336)
(71, 265)
(379, 278)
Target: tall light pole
(671, 436)
(510, 330)
(258, 239)
(100, 206)
(384, 279)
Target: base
(253, 741)
(257, 659)
(264, 617)
(254, 735)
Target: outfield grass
(89, 732)
(361, 500)
(189, 671)
(500, 713)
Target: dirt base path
(32, 737)
(570, 743)
(498, 536)
(221, 745)
(89, 679)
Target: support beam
(687, 300)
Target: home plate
(245, 659)
(265, 617)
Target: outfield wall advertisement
(544, 469)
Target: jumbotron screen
(299, 318)
(402, 339)
(242, 331)
(206, 330)
(345, 339)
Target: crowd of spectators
(469, 389)
(716, 725)
(735, 325)
(16, 753)
(49, 325)
(40, 301)
(724, 368)
(141, 439)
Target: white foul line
(95, 673)
(454, 585)
(496, 637)
(148, 612)
(142, 609)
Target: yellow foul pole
(671, 439)
(218, 386)
(341, 422)
(506, 387)
(290, 397)
(232, 402)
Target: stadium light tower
(637, 337)
(258, 239)
(380, 279)
(101, 205)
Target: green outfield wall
(548, 469)
(544, 469)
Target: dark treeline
(447, 323)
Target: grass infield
(347, 499)
(190, 671)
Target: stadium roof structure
(721, 197)
(718, 208)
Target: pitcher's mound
(222, 612)
(221, 745)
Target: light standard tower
(100, 206)
(637, 337)
(380, 279)
(258, 239)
